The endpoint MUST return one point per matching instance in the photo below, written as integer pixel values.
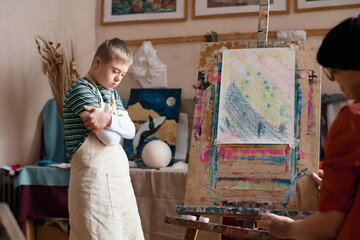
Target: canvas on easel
(247, 180)
(273, 176)
(255, 138)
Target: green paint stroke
(282, 127)
(282, 111)
(242, 185)
(261, 129)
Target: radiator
(8, 194)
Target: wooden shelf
(221, 37)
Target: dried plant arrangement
(60, 72)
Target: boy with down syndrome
(102, 203)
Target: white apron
(102, 204)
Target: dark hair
(114, 49)
(341, 46)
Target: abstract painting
(155, 113)
(318, 5)
(121, 7)
(228, 3)
(139, 11)
(234, 8)
(256, 103)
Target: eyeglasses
(329, 73)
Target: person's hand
(318, 177)
(97, 119)
(277, 226)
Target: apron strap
(113, 102)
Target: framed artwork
(316, 5)
(139, 11)
(234, 8)
(155, 113)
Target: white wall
(24, 89)
(182, 59)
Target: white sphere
(156, 154)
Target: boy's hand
(97, 119)
(277, 226)
(318, 177)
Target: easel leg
(30, 229)
(191, 234)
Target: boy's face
(110, 74)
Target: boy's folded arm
(106, 136)
(97, 119)
(122, 124)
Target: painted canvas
(231, 8)
(120, 7)
(228, 3)
(271, 176)
(140, 11)
(319, 5)
(155, 113)
(257, 96)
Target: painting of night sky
(155, 113)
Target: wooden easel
(300, 159)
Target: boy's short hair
(114, 49)
(340, 48)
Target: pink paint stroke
(310, 102)
(287, 159)
(205, 154)
(228, 153)
(302, 154)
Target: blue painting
(155, 113)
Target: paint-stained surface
(255, 175)
(257, 96)
(239, 212)
(238, 232)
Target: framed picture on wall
(234, 8)
(139, 11)
(316, 5)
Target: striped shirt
(81, 94)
